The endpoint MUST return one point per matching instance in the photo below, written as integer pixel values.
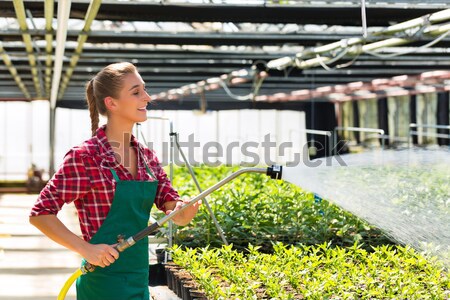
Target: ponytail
(92, 104)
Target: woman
(113, 181)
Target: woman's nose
(147, 97)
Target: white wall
(235, 133)
(24, 135)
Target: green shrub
(258, 210)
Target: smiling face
(131, 102)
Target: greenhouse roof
(221, 54)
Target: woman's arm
(100, 255)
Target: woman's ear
(110, 104)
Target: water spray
(405, 193)
(273, 172)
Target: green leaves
(258, 210)
(289, 244)
(316, 272)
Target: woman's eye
(136, 93)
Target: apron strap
(146, 166)
(148, 170)
(114, 174)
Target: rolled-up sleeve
(69, 183)
(165, 192)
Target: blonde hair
(107, 82)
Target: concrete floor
(31, 265)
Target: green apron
(127, 277)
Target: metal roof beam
(13, 71)
(229, 63)
(7, 76)
(186, 38)
(314, 14)
(372, 89)
(21, 19)
(61, 34)
(210, 38)
(49, 46)
(82, 37)
(170, 71)
(93, 50)
(371, 71)
(206, 38)
(319, 79)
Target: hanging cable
(348, 64)
(288, 71)
(333, 60)
(236, 97)
(256, 86)
(432, 43)
(322, 64)
(381, 56)
(257, 83)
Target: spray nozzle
(274, 171)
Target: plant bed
(315, 272)
(304, 247)
(181, 282)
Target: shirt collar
(106, 151)
(102, 141)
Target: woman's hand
(185, 216)
(101, 255)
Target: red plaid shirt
(85, 178)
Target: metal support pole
(211, 213)
(51, 168)
(171, 153)
(61, 36)
(358, 129)
(30, 134)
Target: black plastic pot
(160, 255)
(197, 295)
(156, 275)
(178, 286)
(188, 286)
(168, 276)
(185, 293)
(170, 269)
(181, 283)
